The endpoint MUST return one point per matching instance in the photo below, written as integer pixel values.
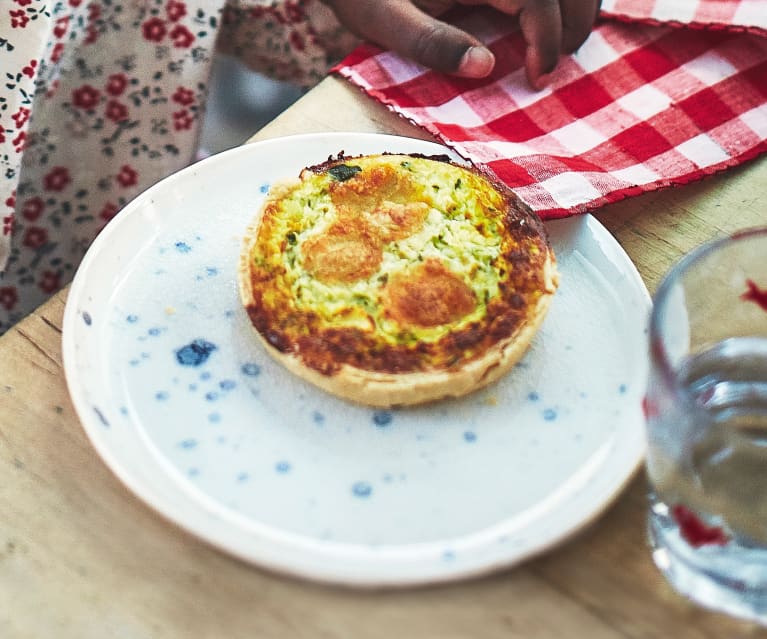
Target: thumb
(400, 26)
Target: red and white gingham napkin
(732, 15)
(651, 99)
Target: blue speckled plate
(187, 409)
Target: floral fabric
(101, 99)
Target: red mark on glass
(755, 294)
(649, 408)
(694, 531)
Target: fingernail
(477, 62)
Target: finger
(541, 25)
(578, 17)
(434, 7)
(511, 7)
(402, 27)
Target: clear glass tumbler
(706, 410)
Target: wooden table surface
(81, 557)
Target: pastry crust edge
(390, 390)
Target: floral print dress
(100, 99)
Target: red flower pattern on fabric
(294, 12)
(35, 237)
(116, 111)
(182, 120)
(116, 84)
(108, 211)
(19, 19)
(60, 29)
(21, 116)
(181, 36)
(33, 208)
(57, 179)
(56, 52)
(183, 96)
(278, 15)
(9, 296)
(92, 35)
(20, 142)
(297, 41)
(29, 70)
(50, 282)
(52, 89)
(175, 10)
(90, 92)
(85, 97)
(127, 176)
(154, 29)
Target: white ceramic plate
(187, 409)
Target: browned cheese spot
(395, 221)
(385, 198)
(346, 252)
(429, 295)
(374, 207)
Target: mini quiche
(396, 279)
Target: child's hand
(550, 27)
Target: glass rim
(658, 350)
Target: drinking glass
(706, 413)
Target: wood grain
(81, 557)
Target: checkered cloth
(731, 15)
(649, 101)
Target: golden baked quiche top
(396, 279)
